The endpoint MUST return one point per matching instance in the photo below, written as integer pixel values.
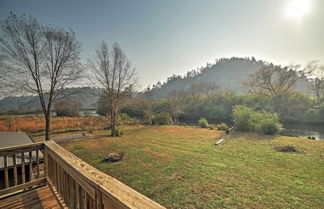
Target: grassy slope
(180, 168)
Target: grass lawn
(179, 167)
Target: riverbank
(304, 130)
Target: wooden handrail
(88, 185)
(11, 150)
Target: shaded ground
(180, 167)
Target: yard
(179, 167)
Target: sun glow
(297, 9)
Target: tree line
(271, 89)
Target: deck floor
(41, 197)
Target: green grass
(179, 167)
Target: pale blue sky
(164, 37)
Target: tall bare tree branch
(38, 60)
(114, 74)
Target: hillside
(227, 73)
(86, 97)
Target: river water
(304, 130)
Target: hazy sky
(163, 37)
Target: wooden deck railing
(20, 167)
(75, 183)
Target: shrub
(222, 127)
(119, 132)
(162, 118)
(123, 116)
(242, 117)
(269, 127)
(203, 123)
(246, 119)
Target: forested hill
(86, 98)
(227, 73)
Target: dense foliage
(162, 118)
(296, 107)
(247, 119)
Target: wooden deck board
(41, 197)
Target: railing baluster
(15, 169)
(77, 195)
(37, 161)
(30, 166)
(23, 174)
(98, 200)
(85, 200)
(54, 168)
(46, 156)
(6, 171)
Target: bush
(222, 127)
(203, 123)
(119, 132)
(123, 116)
(162, 118)
(246, 119)
(242, 117)
(269, 127)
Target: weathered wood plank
(21, 186)
(37, 163)
(61, 157)
(31, 177)
(6, 172)
(5, 151)
(23, 174)
(219, 142)
(42, 197)
(15, 169)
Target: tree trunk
(47, 126)
(113, 121)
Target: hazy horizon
(164, 38)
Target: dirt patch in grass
(288, 148)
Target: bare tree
(38, 60)
(176, 101)
(203, 88)
(114, 74)
(274, 82)
(315, 74)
